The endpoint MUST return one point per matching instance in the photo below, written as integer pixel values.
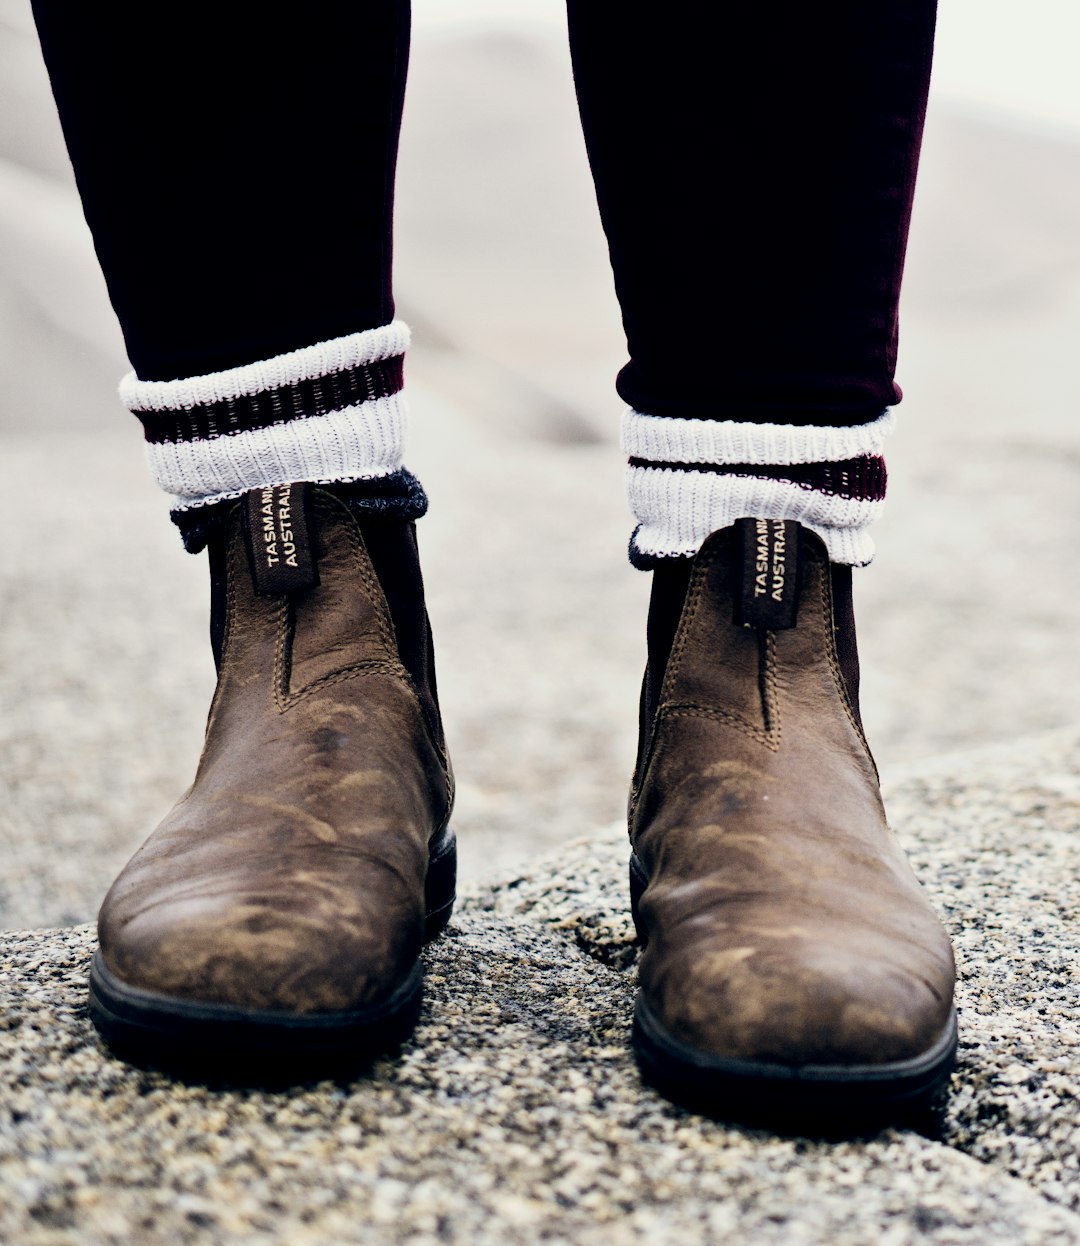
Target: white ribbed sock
(687, 478)
(329, 412)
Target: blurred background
(969, 618)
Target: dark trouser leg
(755, 177)
(236, 169)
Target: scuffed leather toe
(809, 1004)
(249, 951)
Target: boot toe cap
(254, 956)
(816, 1005)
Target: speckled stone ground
(516, 1114)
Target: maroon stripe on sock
(861, 479)
(298, 401)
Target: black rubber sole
(820, 1099)
(220, 1042)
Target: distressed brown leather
(291, 875)
(783, 923)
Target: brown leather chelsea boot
(276, 915)
(792, 966)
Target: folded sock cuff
(341, 354)
(687, 478)
(668, 440)
(329, 412)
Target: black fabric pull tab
(279, 543)
(768, 554)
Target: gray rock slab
(515, 1115)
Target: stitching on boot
(284, 695)
(329, 506)
(232, 575)
(689, 614)
(332, 509)
(771, 734)
(373, 667)
(234, 566)
(770, 739)
(834, 663)
(770, 694)
(283, 654)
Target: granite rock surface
(516, 1115)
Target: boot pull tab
(279, 540)
(767, 559)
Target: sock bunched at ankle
(333, 412)
(687, 478)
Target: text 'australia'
(279, 542)
(770, 565)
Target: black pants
(754, 173)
